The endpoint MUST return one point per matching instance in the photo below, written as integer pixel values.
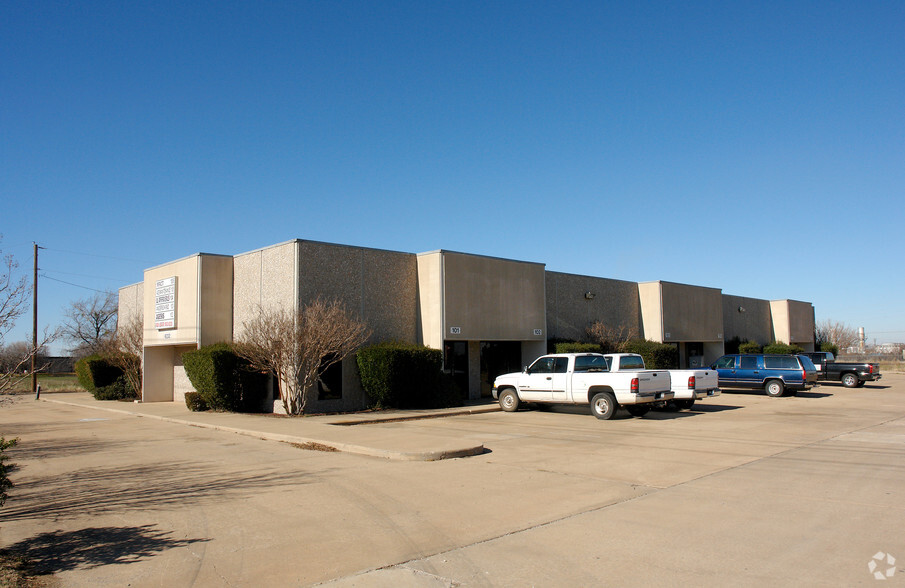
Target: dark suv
(774, 373)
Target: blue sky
(756, 147)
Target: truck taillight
(870, 368)
(634, 385)
(691, 382)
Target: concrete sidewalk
(364, 433)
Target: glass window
(631, 362)
(748, 362)
(560, 365)
(727, 362)
(591, 363)
(782, 362)
(544, 365)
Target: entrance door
(455, 361)
(497, 358)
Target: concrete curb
(397, 455)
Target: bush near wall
(750, 347)
(95, 371)
(782, 348)
(403, 375)
(121, 389)
(223, 380)
(194, 402)
(657, 356)
(576, 347)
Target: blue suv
(776, 374)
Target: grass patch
(48, 383)
(16, 573)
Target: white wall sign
(538, 331)
(165, 304)
(455, 330)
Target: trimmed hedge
(782, 348)
(576, 347)
(750, 347)
(223, 379)
(194, 402)
(95, 371)
(657, 356)
(403, 375)
(118, 390)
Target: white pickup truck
(687, 385)
(582, 378)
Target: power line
(85, 275)
(76, 285)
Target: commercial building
(488, 315)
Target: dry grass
(48, 383)
(312, 446)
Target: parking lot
(742, 490)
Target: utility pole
(34, 339)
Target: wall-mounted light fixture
(741, 309)
(589, 295)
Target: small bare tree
(298, 347)
(13, 303)
(13, 296)
(90, 323)
(837, 333)
(124, 350)
(610, 338)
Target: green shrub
(403, 375)
(782, 348)
(750, 347)
(576, 347)
(194, 402)
(95, 371)
(118, 390)
(830, 348)
(224, 380)
(657, 356)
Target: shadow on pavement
(59, 551)
(104, 490)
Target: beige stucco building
(487, 315)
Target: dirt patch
(312, 446)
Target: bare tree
(13, 296)
(610, 338)
(13, 303)
(124, 349)
(837, 333)
(90, 323)
(298, 347)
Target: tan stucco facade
(462, 304)
(793, 322)
(575, 302)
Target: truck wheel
(603, 405)
(774, 388)
(849, 380)
(509, 400)
(685, 404)
(638, 410)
